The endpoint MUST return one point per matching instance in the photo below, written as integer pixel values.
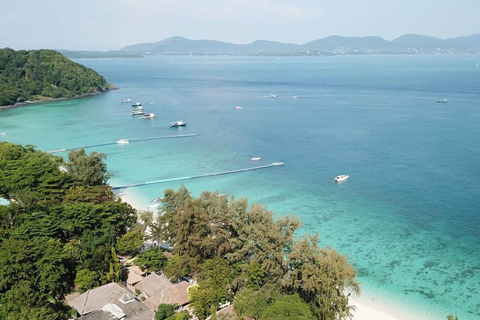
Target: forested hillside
(43, 74)
(59, 230)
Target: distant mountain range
(408, 44)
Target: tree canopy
(242, 251)
(55, 233)
(41, 74)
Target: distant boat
(238, 107)
(137, 112)
(177, 124)
(295, 97)
(272, 96)
(341, 177)
(442, 101)
(277, 164)
(151, 115)
(136, 104)
(123, 141)
(137, 108)
(125, 100)
(256, 159)
(3, 133)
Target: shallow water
(408, 216)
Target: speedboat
(272, 96)
(137, 108)
(238, 107)
(126, 100)
(123, 141)
(137, 112)
(177, 124)
(341, 177)
(149, 116)
(136, 104)
(256, 159)
(442, 101)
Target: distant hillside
(73, 54)
(330, 45)
(44, 74)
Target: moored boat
(137, 112)
(149, 116)
(126, 100)
(341, 177)
(136, 104)
(177, 124)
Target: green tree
(251, 303)
(288, 308)
(86, 280)
(214, 282)
(130, 244)
(164, 311)
(87, 170)
(152, 259)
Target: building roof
(227, 312)
(177, 294)
(135, 274)
(105, 302)
(160, 290)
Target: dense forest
(44, 74)
(58, 232)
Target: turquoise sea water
(409, 215)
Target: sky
(112, 24)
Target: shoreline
(366, 308)
(26, 103)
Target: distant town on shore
(332, 45)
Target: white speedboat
(136, 104)
(123, 141)
(442, 101)
(256, 159)
(126, 100)
(272, 96)
(137, 112)
(137, 108)
(151, 115)
(177, 124)
(341, 177)
(238, 107)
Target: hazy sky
(112, 24)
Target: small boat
(272, 96)
(177, 124)
(151, 115)
(125, 100)
(341, 177)
(256, 159)
(123, 141)
(137, 112)
(136, 104)
(442, 101)
(3, 134)
(277, 164)
(295, 97)
(137, 108)
(238, 107)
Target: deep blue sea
(409, 215)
